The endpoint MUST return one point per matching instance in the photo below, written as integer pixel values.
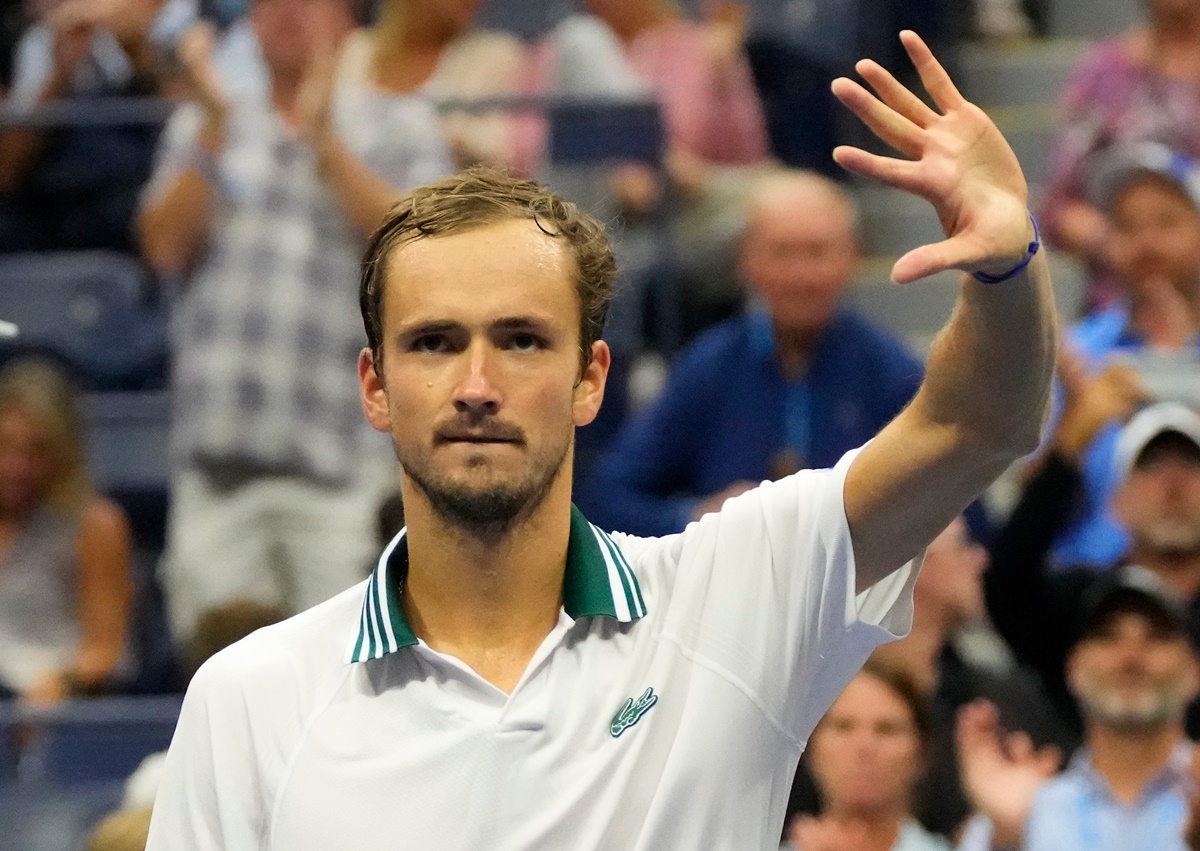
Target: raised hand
(955, 158)
(1001, 773)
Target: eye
(526, 342)
(430, 344)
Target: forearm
(173, 226)
(980, 407)
(987, 382)
(363, 196)
(21, 147)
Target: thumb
(930, 259)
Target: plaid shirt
(267, 333)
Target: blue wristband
(985, 278)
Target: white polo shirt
(667, 710)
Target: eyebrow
(505, 323)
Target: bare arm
(21, 147)
(987, 384)
(105, 591)
(173, 225)
(364, 196)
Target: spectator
(1154, 198)
(65, 586)
(1133, 672)
(1143, 86)
(431, 49)
(947, 600)
(1158, 466)
(696, 72)
(866, 754)
(76, 187)
(819, 377)
(264, 203)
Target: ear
(589, 391)
(1193, 673)
(374, 395)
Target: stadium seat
(85, 742)
(88, 310)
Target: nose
(477, 392)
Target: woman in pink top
(1143, 86)
(697, 73)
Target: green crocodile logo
(632, 712)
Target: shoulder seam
(285, 776)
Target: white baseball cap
(1148, 424)
(1117, 167)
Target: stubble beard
(1149, 711)
(486, 512)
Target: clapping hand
(1001, 772)
(955, 158)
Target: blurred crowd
(1049, 691)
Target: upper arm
(103, 551)
(905, 487)
(210, 796)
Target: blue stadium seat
(89, 310)
(84, 742)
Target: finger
(1019, 746)
(931, 259)
(1049, 758)
(901, 174)
(933, 76)
(895, 94)
(884, 122)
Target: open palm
(956, 159)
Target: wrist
(1006, 270)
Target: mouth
(477, 439)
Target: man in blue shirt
(1133, 671)
(794, 383)
(1153, 195)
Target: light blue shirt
(1077, 811)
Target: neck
(489, 601)
(285, 91)
(1128, 760)
(794, 348)
(880, 828)
(1180, 571)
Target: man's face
(481, 388)
(1156, 237)
(798, 254)
(290, 31)
(1133, 673)
(1160, 501)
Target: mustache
(475, 430)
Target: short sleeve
(210, 797)
(175, 147)
(33, 64)
(764, 593)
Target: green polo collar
(598, 582)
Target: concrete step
(1019, 73)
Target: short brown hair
(482, 196)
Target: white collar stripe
(385, 612)
(630, 580)
(616, 584)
